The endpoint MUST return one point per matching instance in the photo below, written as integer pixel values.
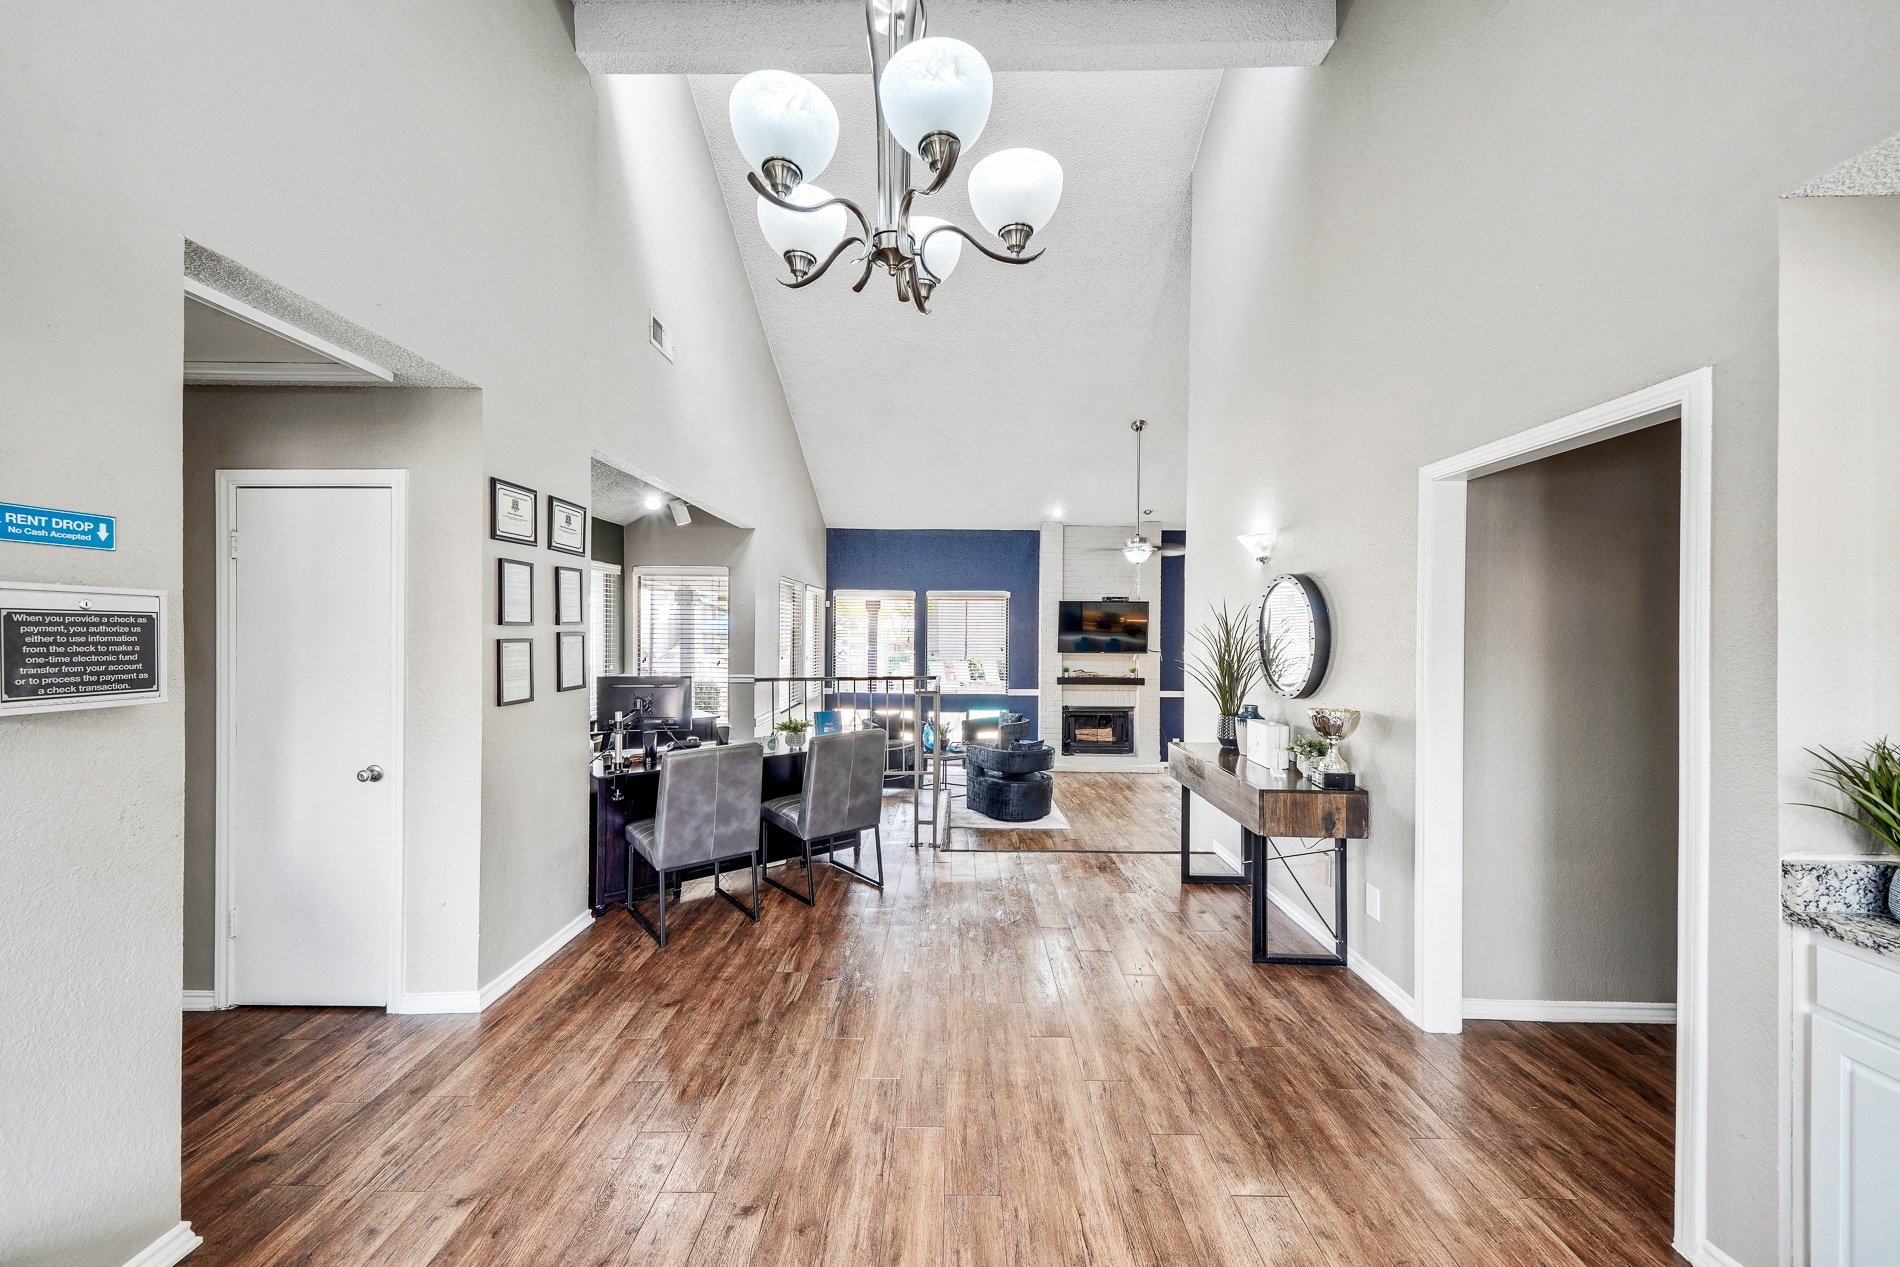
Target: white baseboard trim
(201, 1001)
(169, 1248)
(492, 992)
(438, 1001)
(1708, 1256)
(1573, 1011)
(1395, 995)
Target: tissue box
(1267, 743)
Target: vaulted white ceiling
(1014, 395)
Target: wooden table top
(1268, 802)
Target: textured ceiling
(816, 36)
(1014, 395)
(1871, 173)
(618, 497)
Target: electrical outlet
(1372, 902)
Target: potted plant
(1227, 667)
(1871, 785)
(1306, 750)
(794, 728)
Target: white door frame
(228, 484)
(1439, 848)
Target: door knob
(370, 774)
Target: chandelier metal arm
(864, 278)
(818, 272)
(964, 234)
(864, 225)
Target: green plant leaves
(1228, 666)
(1871, 784)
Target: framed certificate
(514, 592)
(567, 526)
(569, 607)
(511, 513)
(514, 670)
(570, 661)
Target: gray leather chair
(707, 812)
(842, 796)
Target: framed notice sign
(567, 526)
(511, 513)
(64, 647)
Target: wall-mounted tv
(1099, 626)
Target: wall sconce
(1259, 544)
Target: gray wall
(448, 176)
(1475, 218)
(1840, 463)
(1570, 724)
(434, 435)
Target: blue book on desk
(827, 721)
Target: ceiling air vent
(659, 336)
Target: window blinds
(684, 630)
(874, 634)
(968, 640)
(603, 629)
(815, 631)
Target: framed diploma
(569, 609)
(570, 661)
(514, 670)
(567, 526)
(514, 592)
(511, 514)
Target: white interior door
(314, 752)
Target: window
(968, 640)
(874, 634)
(814, 665)
(604, 618)
(683, 629)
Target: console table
(1268, 804)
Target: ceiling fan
(1138, 549)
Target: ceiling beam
(730, 37)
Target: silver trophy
(1334, 725)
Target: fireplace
(1098, 731)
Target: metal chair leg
(810, 896)
(752, 912)
(876, 882)
(633, 909)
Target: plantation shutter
(968, 640)
(814, 632)
(874, 634)
(684, 630)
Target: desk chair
(843, 795)
(707, 811)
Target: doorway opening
(1440, 855)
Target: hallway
(1002, 1059)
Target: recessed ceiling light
(655, 501)
(1055, 512)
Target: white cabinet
(1853, 1110)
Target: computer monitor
(656, 701)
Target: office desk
(607, 878)
(1268, 804)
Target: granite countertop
(1842, 898)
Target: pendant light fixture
(933, 100)
(1138, 549)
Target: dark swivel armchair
(707, 812)
(843, 796)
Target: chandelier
(933, 98)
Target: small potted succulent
(1227, 667)
(794, 728)
(1307, 750)
(1871, 784)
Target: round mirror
(1296, 636)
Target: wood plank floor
(1002, 1060)
(1107, 813)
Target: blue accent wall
(919, 560)
(1173, 637)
